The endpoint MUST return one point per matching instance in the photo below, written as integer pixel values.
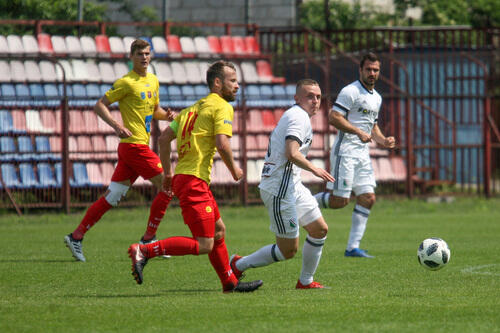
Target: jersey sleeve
(295, 129)
(345, 101)
(223, 120)
(118, 91)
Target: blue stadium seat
(37, 94)
(6, 122)
(9, 175)
(290, 91)
(8, 93)
(58, 172)
(163, 92)
(280, 96)
(51, 94)
(23, 94)
(80, 175)
(7, 149)
(69, 90)
(93, 91)
(201, 91)
(27, 176)
(174, 92)
(46, 175)
(25, 147)
(188, 92)
(42, 145)
(252, 94)
(104, 87)
(79, 95)
(267, 95)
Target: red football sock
(174, 246)
(220, 262)
(94, 214)
(156, 213)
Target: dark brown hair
(370, 56)
(138, 44)
(217, 70)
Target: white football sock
(323, 199)
(359, 219)
(311, 255)
(264, 256)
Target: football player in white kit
(355, 114)
(289, 203)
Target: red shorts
(136, 160)
(199, 208)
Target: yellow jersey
(137, 97)
(196, 128)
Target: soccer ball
(433, 253)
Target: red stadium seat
(19, 120)
(76, 122)
(90, 120)
(214, 44)
(227, 45)
(174, 45)
(264, 70)
(102, 45)
(252, 45)
(268, 120)
(239, 45)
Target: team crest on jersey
(208, 209)
(143, 95)
(149, 94)
(293, 224)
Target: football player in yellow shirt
(137, 94)
(200, 129)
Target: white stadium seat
(4, 46)
(187, 45)
(73, 45)
(59, 44)
(107, 72)
(93, 73)
(68, 71)
(32, 70)
(17, 71)
(30, 44)
(179, 72)
(116, 45)
(15, 44)
(120, 68)
(159, 45)
(5, 70)
(80, 72)
(48, 71)
(193, 72)
(163, 71)
(88, 46)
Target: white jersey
(360, 107)
(279, 175)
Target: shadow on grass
(159, 294)
(41, 261)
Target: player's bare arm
(293, 155)
(162, 114)
(224, 148)
(165, 143)
(381, 139)
(101, 108)
(337, 119)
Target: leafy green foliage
(476, 13)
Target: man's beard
(227, 95)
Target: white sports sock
(311, 255)
(264, 256)
(359, 219)
(323, 199)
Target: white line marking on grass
(478, 270)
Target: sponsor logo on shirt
(143, 95)
(208, 209)
(149, 94)
(228, 122)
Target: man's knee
(205, 245)
(220, 229)
(338, 202)
(366, 200)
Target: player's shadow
(161, 293)
(36, 261)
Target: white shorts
(291, 212)
(351, 174)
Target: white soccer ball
(433, 253)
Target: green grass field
(44, 290)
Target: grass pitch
(44, 290)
